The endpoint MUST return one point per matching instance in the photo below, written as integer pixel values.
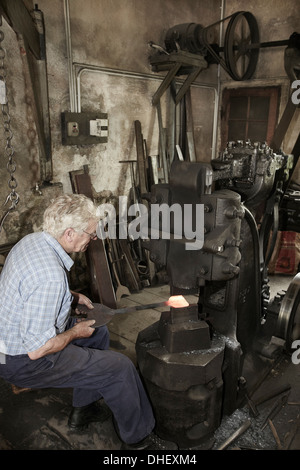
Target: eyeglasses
(92, 235)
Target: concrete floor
(37, 419)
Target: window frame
(273, 92)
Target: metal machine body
(198, 363)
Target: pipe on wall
(76, 70)
(70, 57)
(84, 68)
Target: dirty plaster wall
(112, 35)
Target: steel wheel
(289, 314)
(241, 46)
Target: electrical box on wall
(84, 128)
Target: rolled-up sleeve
(45, 314)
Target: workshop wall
(109, 40)
(113, 37)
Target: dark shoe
(82, 416)
(152, 442)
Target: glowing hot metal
(102, 314)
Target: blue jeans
(93, 371)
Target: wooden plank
(162, 143)
(184, 58)
(140, 157)
(165, 84)
(281, 129)
(187, 83)
(190, 127)
(100, 276)
(129, 325)
(172, 122)
(130, 266)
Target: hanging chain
(13, 196)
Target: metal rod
(174, 301)
(268, 44)
(277, 406)
(69, 56)
(235, 435)
(140, 307)
(259, 45)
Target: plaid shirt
(35, 295)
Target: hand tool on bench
(120, 289)
(103, 314)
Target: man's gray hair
(69, 211)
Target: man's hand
(81, 299)
(84, 328)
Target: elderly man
(44, 348)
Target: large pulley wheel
(241, 45)
(289, 315)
